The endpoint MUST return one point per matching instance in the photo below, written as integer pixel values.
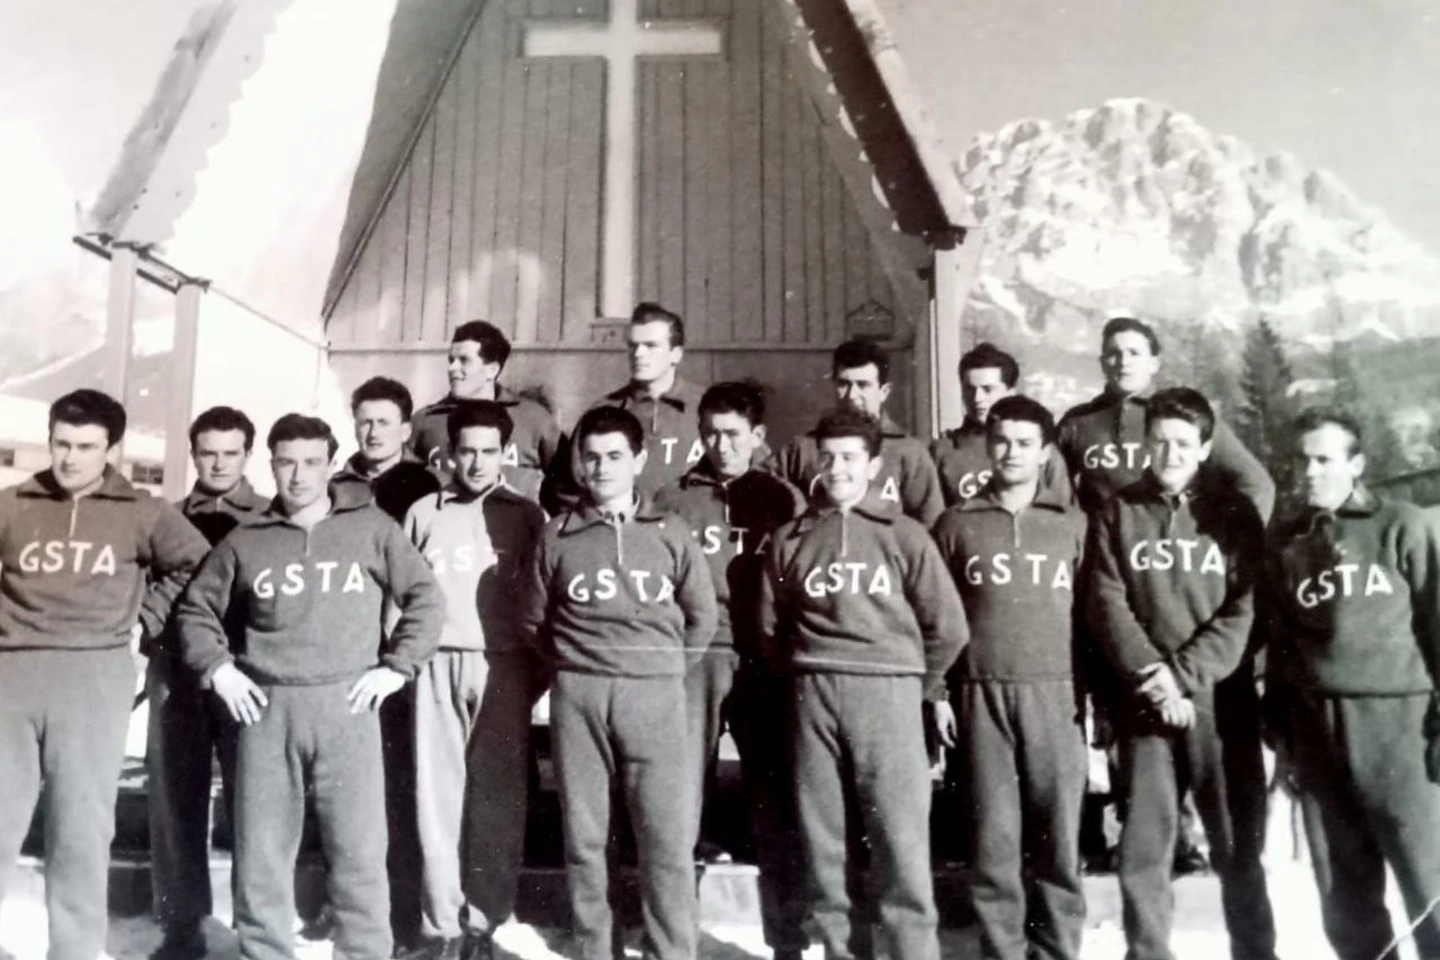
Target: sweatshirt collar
(113, 486)
(889, 429)
(344, 498)
(354, 467)
(587, 515)
(242, 496)
(989, 499)
(1361, 503)
(454, 493)
(682, 395)
(1111, 398)
(503, 395)
(871, 508)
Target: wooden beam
(181, 401)
(120, 326)
(955, 272)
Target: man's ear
(640, 460)
(872, 469)
(406, 429)
(760, 432)
(1205, 448)
(884, 392)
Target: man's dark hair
(598, 420)
(85, 407)
(1182, 403)
(223, 420)
(383, 388)
(1130, 325)
(479, 413)
(297, 426)
(986, 356)
(1021, 408)
(650, 312)
(1313, 418)
(735, 396)
(859, 351)
(494, 347)
(848, 422)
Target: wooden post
(955, 269)
(120, 328)
(181, 400)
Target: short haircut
(848, 422)
(221, 420)
(650, 312)
(1022, 409)
(494, 347)
(479, 413)
(859, 351)
(598, 420)
(1181, 403)
(735, 396)
(297, 426)
(987, 356)
(1313, 418)
(85, 407)
(1130, 325)
(383, 388)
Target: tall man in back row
(861, 372)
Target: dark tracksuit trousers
(625, 736)
(63, 716)
(188, 729)
(860, 760)
(1023, 754)
(1219, 760)
(708, 686)
(472, 724)
(1366, 801)
(308, 743)
(759, 718)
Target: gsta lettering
(68, 556)
(295, 578)
(971, 483)
(1343, 580)
(1178, 554)
(890, 490)
(1114, 456)
(697, 450)
(511, 456)
(606, 583)
(1036, 568)
(853, 578)
(466, 558)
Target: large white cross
(620, 40)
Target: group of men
(370, 643)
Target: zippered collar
(889, 430)
(242, 497)
(454, 493)
(871, 508)
(354, 469)
(988, 498)
(113, 486)
(344, 498)
(503, 396)
(587, 515)
(1360, 504)
(1111, 398)
(682, 395)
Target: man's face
(470, 376)
(1128, 363)
(1326, 466)
(846, 469)
(651, 355)
(980, 387)
(1017, 451)
(730, 441)
(220, 459)
(477, 458)
(380, 430)
(302, 472)
(1176, 452)
(77, 454)
(610, 467)
(860, 388)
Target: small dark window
(7, 456)
(147, 473)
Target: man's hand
(373, 687)
(1178, 714)
(1158, 684)
(946, 729)
(241, 696)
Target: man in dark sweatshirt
(1171, 602)
(1354, 644)
(622, 604)
(395, 478)
(861, 371)
(733, 509)
(87, 562)
(1103, 440)
(858, 608)
(186, 734)
(283, 623)
(1014, 550)
(962, 457)
(473, 700)
(478, 354)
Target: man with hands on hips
(283, 622)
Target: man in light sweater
(283, 622)
(86, 560)
(472, 701)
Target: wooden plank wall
(743, 223)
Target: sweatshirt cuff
(207, 674)
(400, 665)
(935, 690)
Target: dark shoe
(1189, 861)
(185, 941)
(708, 852)
(790, 954)
(432, 949)
(476, 946)
(319, 927)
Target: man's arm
(771, 616)
(1055, 476)
(938, 610)
(1230, 460)
(695, 593)
(1216, 648)
(1420, 546)
(201, 611)
(920, 490)
(410, 582)
(1112, 622)
(173, 551)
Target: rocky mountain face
(1134, 207)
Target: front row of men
(834, 621)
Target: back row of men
(683, 581)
